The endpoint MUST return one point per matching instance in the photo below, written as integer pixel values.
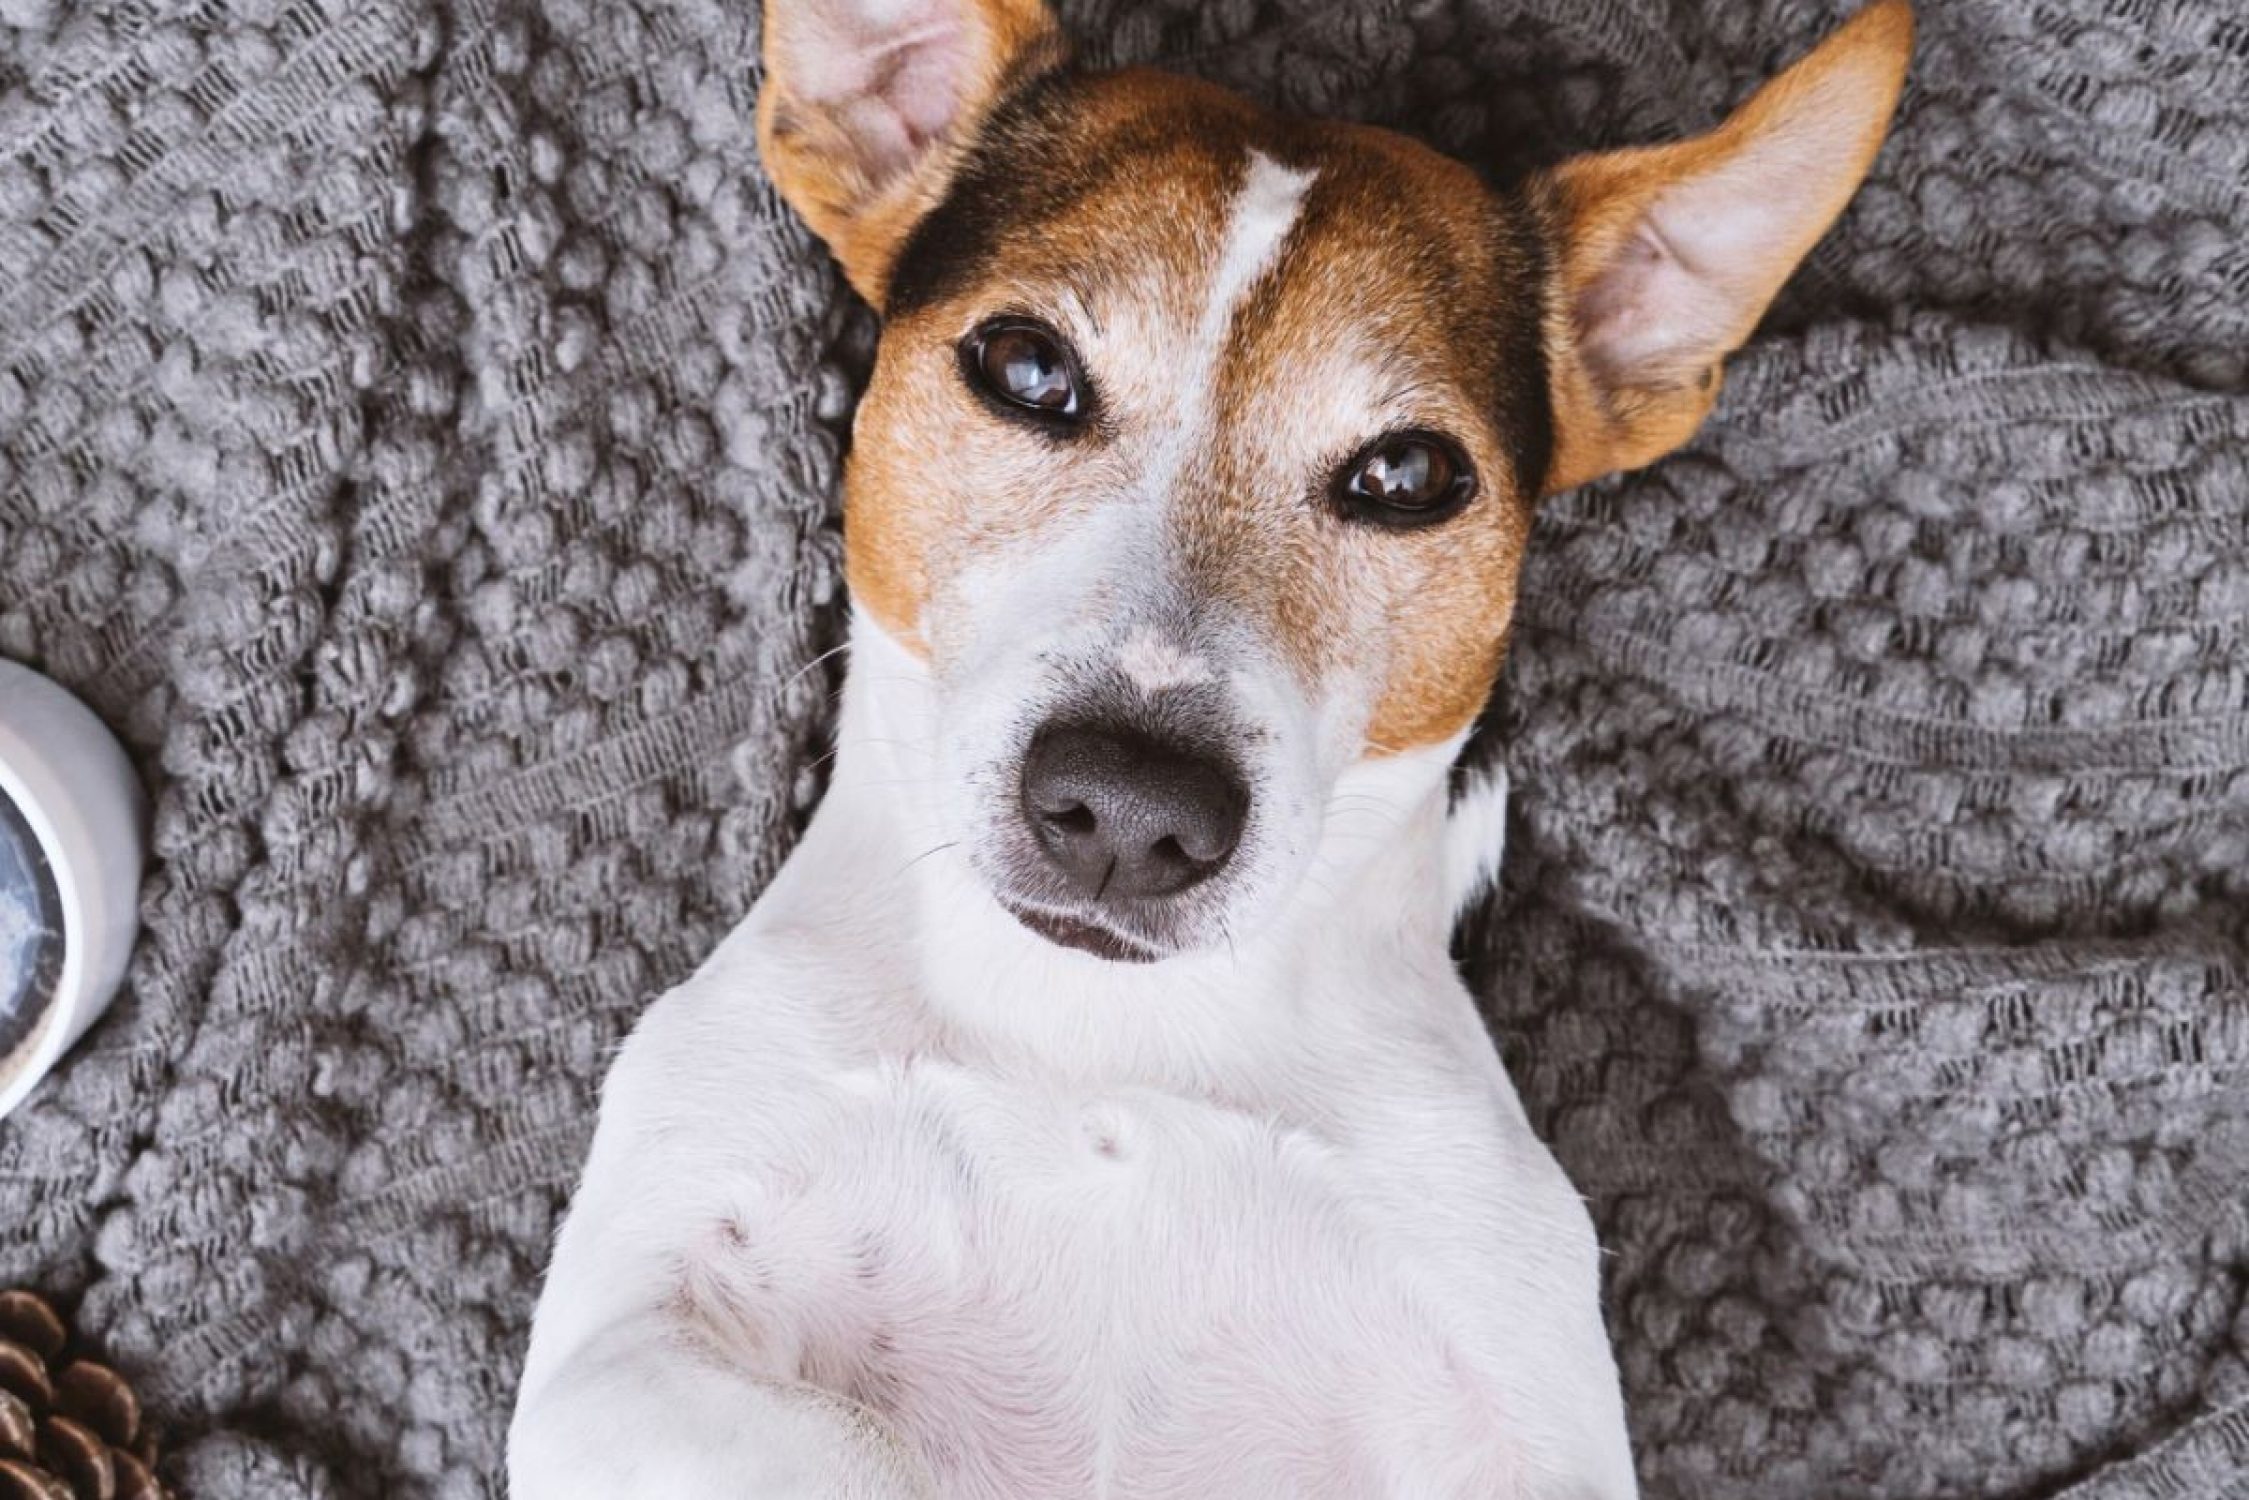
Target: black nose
(1123, 815)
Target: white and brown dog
(1090, 1108)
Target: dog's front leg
(636, 1385)
(630, 1413)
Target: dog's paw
(705, 1435)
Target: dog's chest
(1058, 1292)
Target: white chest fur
(1053, 1291)
(893, 1198)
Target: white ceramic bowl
(71, 818)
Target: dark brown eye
(1406, 479)
(1027, 366)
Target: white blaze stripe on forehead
(1155, 664)
(1264, 211)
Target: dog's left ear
(1666, 256)
(868, 104)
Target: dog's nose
(1125, 815)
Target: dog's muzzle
(1126, 822)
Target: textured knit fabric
(419, 435)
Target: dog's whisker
(815, 664)
(927, 853)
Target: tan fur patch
(935, 479)
(1342, 348)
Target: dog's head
(1202, 444)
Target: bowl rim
(59, 766)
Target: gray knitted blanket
(419, 426)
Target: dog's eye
(1027, 366)
(1406, 479)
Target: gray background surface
(419, 426)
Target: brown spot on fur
(1451, 345)
(1122, 188)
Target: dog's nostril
(1076, 818)
(1123, 816)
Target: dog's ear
(1665, 257)
(868, 104)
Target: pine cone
(70, 1429)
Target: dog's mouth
(1066, 931)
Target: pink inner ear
(1694, 275)
(892, 73)
(1642, 318)
(1711, 249)
(925, 84)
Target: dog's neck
(1361, 936)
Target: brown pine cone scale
(21, 1481)
(29, 1321)
(70, 1429)
(19, 1430)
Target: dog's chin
(1066, 931)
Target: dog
(1090, 1107)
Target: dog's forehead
(1318, 239)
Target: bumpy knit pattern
(419, 432)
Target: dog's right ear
(868, 106)
(1668, 255)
